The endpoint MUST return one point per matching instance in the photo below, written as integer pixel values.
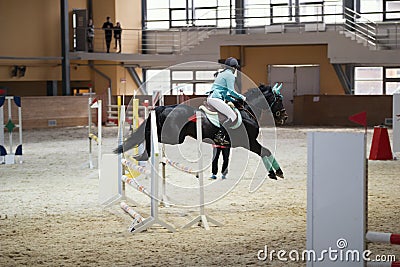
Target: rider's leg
(222, 107)
(225, 109)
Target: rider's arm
(230, 82)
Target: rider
(222, 90)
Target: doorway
(297, 80)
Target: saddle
(217, 118)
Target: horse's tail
(136, 138)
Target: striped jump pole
(137, 218)
(95, 104)
(154, 193)
(203, 219)
(380, 237)
(383, 264)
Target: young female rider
(222, 90)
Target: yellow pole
(119, 108)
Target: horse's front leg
(270, 163)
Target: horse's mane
(254, 92)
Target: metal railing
(138, 41)
(256, 19)
(360, 28)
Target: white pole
(109, 102)
(121, 121)
(20, 124)
(154, 165)
(2, 125)
(396, 122)
(9, 118)
(99, 132)
(200, 173)
(90, 129)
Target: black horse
(176, 122)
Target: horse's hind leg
(270, 163)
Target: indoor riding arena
(108, 133)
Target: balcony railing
(256, 19)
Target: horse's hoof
(279, 173)
(272, 175)
(142, 157)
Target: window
(392, 7)
(176, 82)
(158, 80)
(368, 81)
(392, 80)
(372, 7)
(376, 80)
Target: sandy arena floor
(50, 213)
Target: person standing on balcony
(107, 27)
(117, 36)
(90, 35)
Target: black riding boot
(221, 137)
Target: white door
(285, 75)
(297, 80)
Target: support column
(66, 82)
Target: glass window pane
(178, 18)
(256, 16)
(205, 17)
(368, 88)
(202, 88)
(392, 87)
(178, 4)
(368, 73)
(158, 25)
(203, 3)
(158, 80)
(157, 4)
(161, 14)
(367, 6)
(393, 73)
(393, 6)
(310, 13)
(281, 14)
(182, 75)
(185, 88)
(331, 11)
(205, 75)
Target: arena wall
(334, 110)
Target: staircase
(382, 36)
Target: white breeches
(222, 107)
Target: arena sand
(50, 213)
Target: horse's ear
(277, 88)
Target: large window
(368, 81)
(376, 80)
(176, 82)
(224, 14)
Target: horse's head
(275, 101)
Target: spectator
(107, 27)
(217, 149)
(117, 36)
(90, 35)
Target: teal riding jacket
(224, 86)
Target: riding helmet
(232, 62)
